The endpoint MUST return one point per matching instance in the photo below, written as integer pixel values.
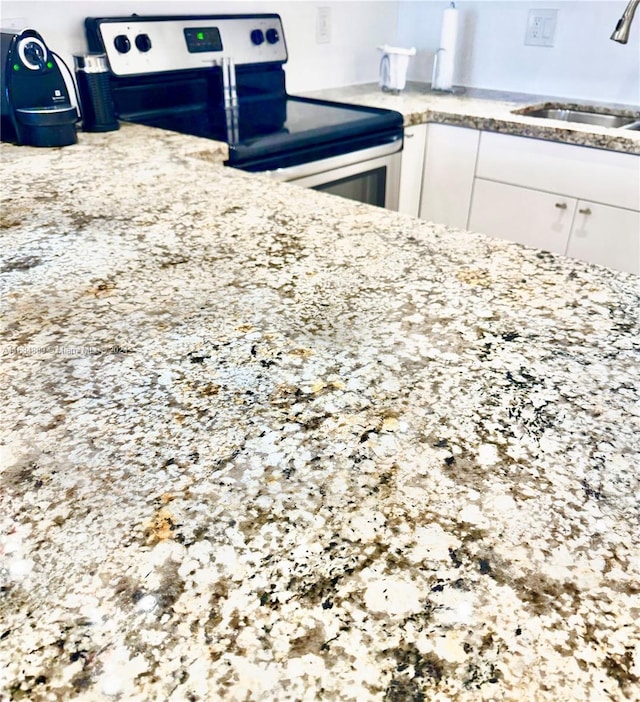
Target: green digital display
(201, 39)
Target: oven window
(366, 187)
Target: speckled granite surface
(261, 443)
(490, 111)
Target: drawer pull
(585, 211)
(561, 205)
(408, 136)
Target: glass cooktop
(266, 133)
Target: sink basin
(584, 116)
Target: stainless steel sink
(584, 116)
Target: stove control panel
(141, 45)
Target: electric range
(222, 77)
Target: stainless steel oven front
(370, 175)
(222, 77)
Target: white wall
(356, 29)
(583, 64)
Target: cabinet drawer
(601, 176)
(530, 217)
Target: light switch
(541, 27)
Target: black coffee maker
(36, 109)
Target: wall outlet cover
(541, 27)
(323, 25)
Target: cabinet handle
(409, 136)
(585, 211)
(561, 205)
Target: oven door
(370, 175)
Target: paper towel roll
(445, 59)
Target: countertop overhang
(263, 443)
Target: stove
(222, 77)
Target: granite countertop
(263, 443)
(491, 110)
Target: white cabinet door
(530, 217)
(411, 170)
(447, 181)
(610, 177)
(606, 235)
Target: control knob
(257, 37)
(272, 36)
(122, 43)
(143, 42)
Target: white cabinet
(529, 217)
(411, 169)
(610, 177)
(606, 235)
(589, 231)
(447, 180)
(573, 200)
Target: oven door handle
(313, 167)
(292, 172)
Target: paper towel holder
(446, 52)
(454, 89)
(393, 67)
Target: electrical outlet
(541, 27)
(323, 25)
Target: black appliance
(94, 91)
(222, 77)
(36, 109)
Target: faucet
(621, 32)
